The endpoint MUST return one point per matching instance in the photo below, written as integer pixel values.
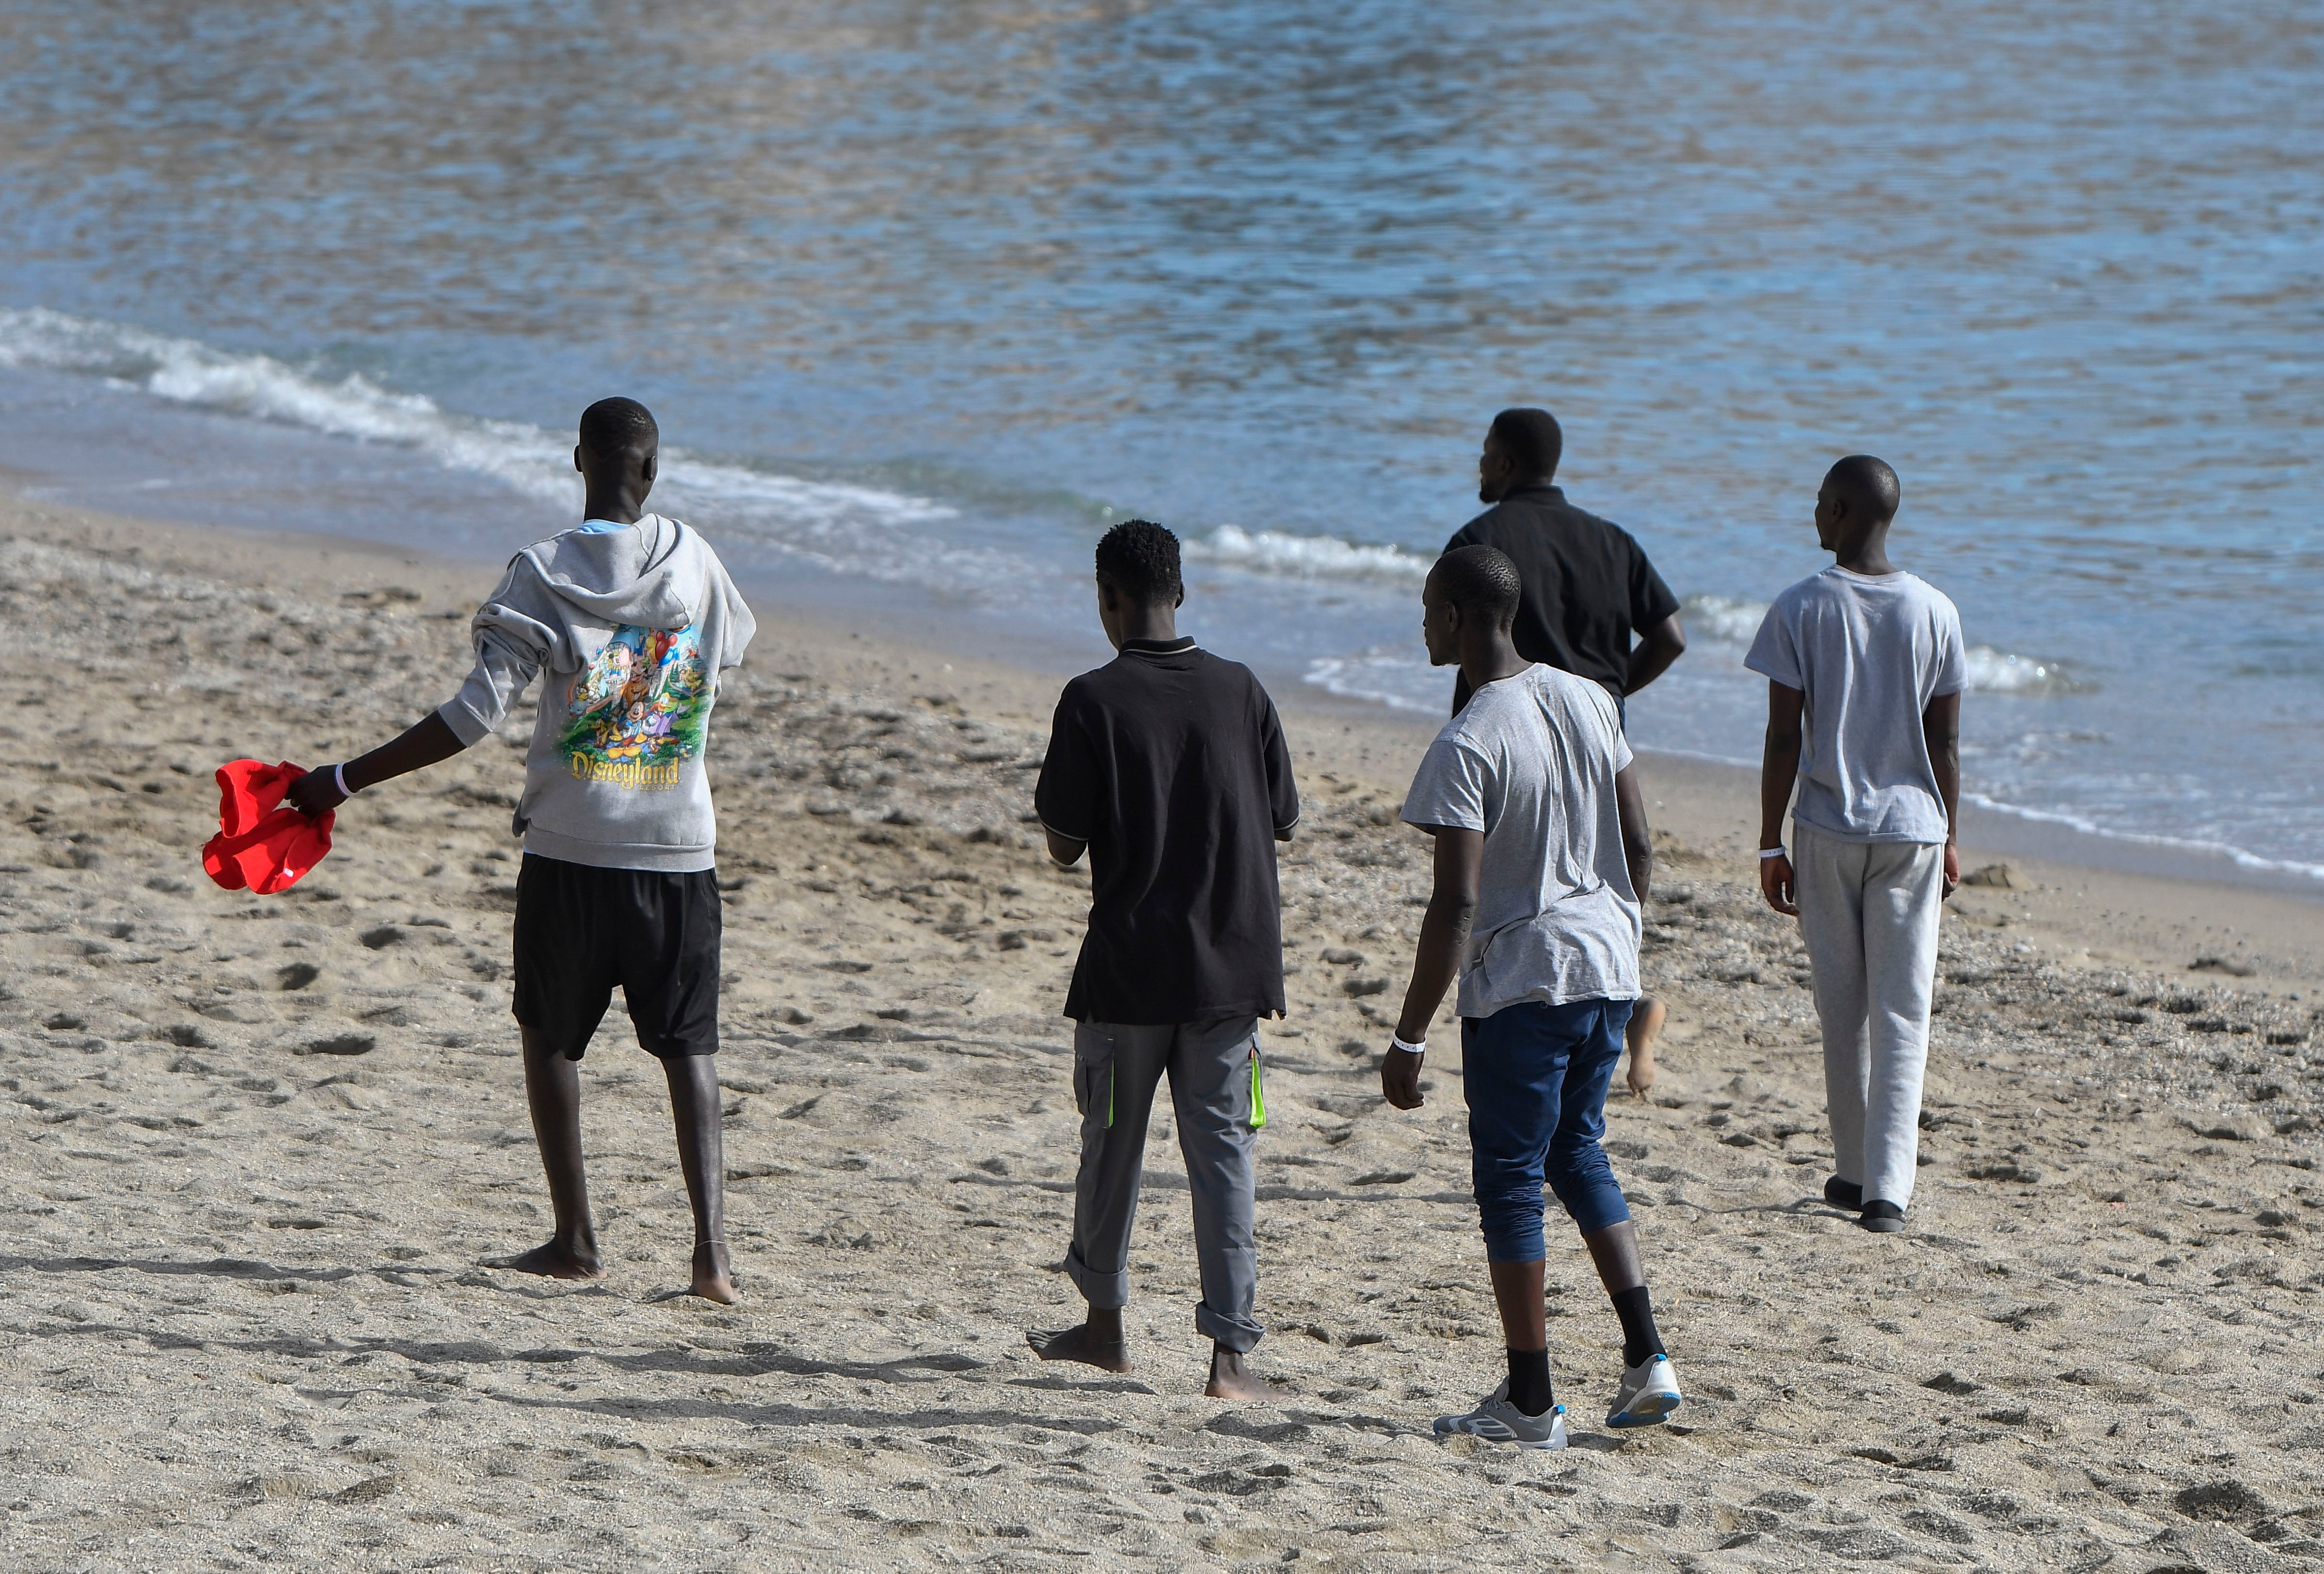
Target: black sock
(1635, 1308)
(1529, 1388)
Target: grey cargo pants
(1214, 1088)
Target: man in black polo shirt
(1588, 590)
(1169, 766)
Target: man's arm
(1940, 731)
(1657, 648)
(1065, 849)
(1443, 933)
(1779, 771)
(1637, 839)
(423, 744)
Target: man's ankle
(1529, 1385)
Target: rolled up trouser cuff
(1585, 1186)
(1105, 1291)
(1512, 1235)
(1226, 1330)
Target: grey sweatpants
(1869, 912)
(1213, 1068)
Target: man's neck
(616, 508)
(1868, 556)
(1489, 661)
(1156, 624)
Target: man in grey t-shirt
(1542, 856)
(1865, 672)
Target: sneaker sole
(1881, 1226)
(1647, 1409)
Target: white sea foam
(1723, 618)
(780, 509)
(1385, 675)
(1272, 552)
(2240, 857)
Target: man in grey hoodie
(629, 619)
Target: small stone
(2220, 1500)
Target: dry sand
(256, 1150)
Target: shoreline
(256, 1152)
(2089, 899)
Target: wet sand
(257, 1148)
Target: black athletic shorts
(582, 929)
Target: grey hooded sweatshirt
(629, 627)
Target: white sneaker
(1496, 1420)
(1649, 1394)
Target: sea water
(926, 295)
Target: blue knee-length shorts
(1536, 1079)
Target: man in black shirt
(1587, 587)
(1168, 766)
(1588, 590)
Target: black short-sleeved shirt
(1588, 586)
(1171, 765)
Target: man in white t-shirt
(1542, 858)
(1865, 672)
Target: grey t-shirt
(1530, 761)
(1870, 652)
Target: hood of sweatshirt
(618, 576)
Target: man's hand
(315, 794)
(1775, 884)
(1400, 1079)
(1953, 871)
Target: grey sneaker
(1649, 1392)
(1496, 1420)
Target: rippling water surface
(927, 294)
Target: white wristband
(339, 780)
(1774, 852)
(1396, 1041)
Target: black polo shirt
(1588, 586)
(1171, 765)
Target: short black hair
(1532, 439)
(1141, 559)
(611, 425)
(1481, 581)
(1868, 484)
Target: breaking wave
(1270, 551)
(786, 511)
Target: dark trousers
(1214, 1090)
(1535, 1077)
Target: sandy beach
(256, 1150)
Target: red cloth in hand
(262, 842)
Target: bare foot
(1645, 1027)
(552, 1260)
(1232, 1378)
(1080, 1344)
(714, 1274)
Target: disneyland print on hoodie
(629, 629)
